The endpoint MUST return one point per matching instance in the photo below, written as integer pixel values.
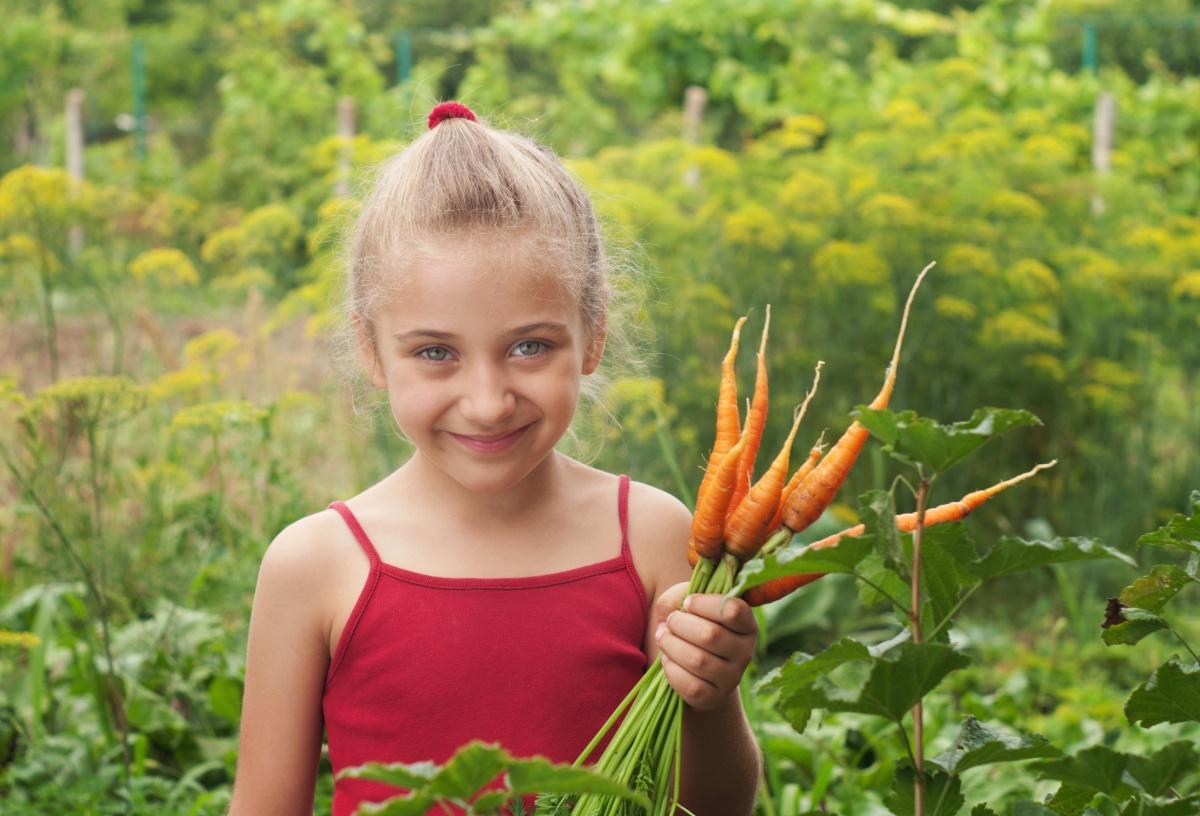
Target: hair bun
(449, 110)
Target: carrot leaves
(920, 441)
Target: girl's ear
(365, 337)
(595, 351)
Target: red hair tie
(449, 110)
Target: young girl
(491, 587)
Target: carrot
(756, 420)
(728, 428)
(746, 528)
(708, 519)
(814, 456)
(905, 523)
(809, 501)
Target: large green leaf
(1128, 625)
(470, 769)
(1180, 532)
(1134, 613)
(794, 679)
(919, 440)
(1170, 695)
(898, 678)
(1012, 554)
(795, 559)
(1068, 800)
(1158, 771)
(946, 552)
(943, 793)
(1098, 769)
(978, 744)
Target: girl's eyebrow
(528, 328)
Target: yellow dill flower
(187, 382)
(1017, 328)
(906, 114)
(1031, 278)
(752, 224)
(953, 308)
(847, 264)
(1187, 285)
(269, 231)
(889, 210)
(1015, 206)
(1045, 365)
(165, 266)
(22, 640)
(223, 247)
(251, 277)
(217, 416)
(810, 194)
(970, 259)
(211, 347)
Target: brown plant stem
(914, 613)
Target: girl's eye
(530, 348)
(434, 354)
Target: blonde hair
(467, 180)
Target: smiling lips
(490, 444)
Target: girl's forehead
(475, 280)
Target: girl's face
(481, 356)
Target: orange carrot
(905, 523)
(746, 529)
(728, 419)
(708, 519)
(756, 420)
(814, 456)
(809, 501)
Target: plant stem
(1185, 644)
(915, 618)
(953, 610)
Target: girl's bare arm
(286, 660)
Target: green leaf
(225, 698)
(539, 775)
(472, 766)
(1156, 773)
(945, 550)
(1180, 532)
(1148, 806)
(795, 559)
(1128, 625)
(897, 680)
(1032, 809)
(1170, 695)
(402, 775)
(793, 680)
(877, 513)
(1153, 591)
(978, 744)
(982, 810)
(943, 793)
(1012, 554)
(1098, 769)
(874, 570)
(918, 440)
(411, 804)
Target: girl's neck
(434, 489)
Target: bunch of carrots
(735, 519)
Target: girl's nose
(488, 399)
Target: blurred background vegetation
(166, 404)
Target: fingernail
(660, 631)
(687, 604)
(673, 614)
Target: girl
(491, 587)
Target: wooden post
(345, 131)
(74, 117)
(694, 100)
(1103, 128)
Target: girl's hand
(706, 646)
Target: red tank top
(426, 664)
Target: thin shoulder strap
(623, 511)
(360, 534)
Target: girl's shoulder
(658, 526)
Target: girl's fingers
(732, 613)
(695, 691)
(683, 652)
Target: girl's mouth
(490, 444)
